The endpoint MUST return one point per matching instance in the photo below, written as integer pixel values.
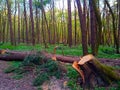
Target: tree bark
(32, 22)
(69, 24)
(93, 71)
(10, 22)
(26, 22)
(116, 40)
(83, 28)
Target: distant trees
(115, 34)
(41, 22)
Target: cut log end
(92, 72)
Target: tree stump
(94, 73)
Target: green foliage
(107, 52)
(73, 76)
(40, 79)
(17, 76)
(104, 51)
(38, 4)
(39, 88)
(72, 73)
(13, 67)
(51, 68)
(32, 59)
(118, 87)
(73, 86)
(10, 69)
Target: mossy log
(96, 73)
(93, 72)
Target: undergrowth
(46, 69)
(103, 52)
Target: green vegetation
(46, 69)
(104, 52)
(40, 79)
(73, 76)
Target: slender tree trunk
(93, 29)
(32, 22)
(14, 32)
(69, 24)
(22, 29)
(83, 28)
(10, 22)
(26, 23)
(0, 25)
(4, 29)
(114, 28)
(43, 33)
(119, 26)
(37, 26)
(43, 11)
(75, 19)
(18, 23)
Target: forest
(60, 44)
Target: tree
(26, 22)
(10, 21)
(75, 20)
(69, 24)
(32, 22)
(18, 23)
(116, 42)
(118, 25)
(83, 28)
(94, 18)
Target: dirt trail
(7, 83)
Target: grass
(104, 52)
(40, 79)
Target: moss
(106, 72)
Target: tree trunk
(69, 24)
(83, 28)
(32, 22)
(93, 29)
(18, 23)
(116, 42)
(26, 23)
(75, 26)
(91, 70)
(119, 26)
(10, 22)
(45, 18)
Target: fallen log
(8, 55)
(92, 71)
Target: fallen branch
(92, 71)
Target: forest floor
(25, 83)
(8, 83)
